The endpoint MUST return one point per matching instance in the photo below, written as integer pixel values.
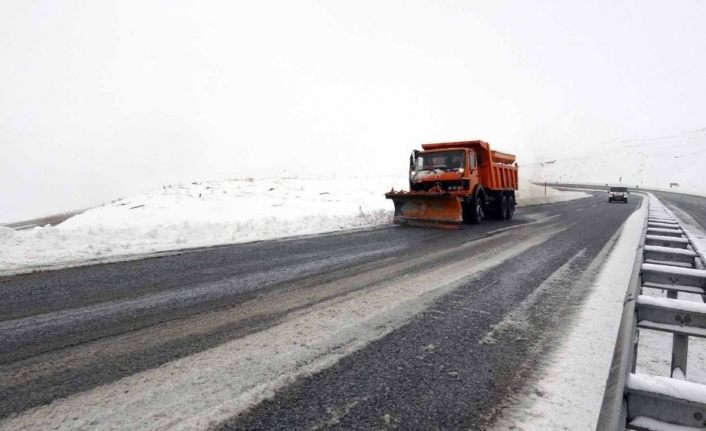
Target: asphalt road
(693, 205)
(447, 358)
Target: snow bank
(213, 213)
(532, 194)
(201, 214)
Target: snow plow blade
(433, 209)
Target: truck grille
(447, 186)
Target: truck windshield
(443, 160)
(619, 189)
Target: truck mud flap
(434, 210)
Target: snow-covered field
(650, 163)
(213, 213)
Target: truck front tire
(476, 210)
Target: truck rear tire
(510, 207)
(503, 207)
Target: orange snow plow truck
(457, 182)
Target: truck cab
(451, 170)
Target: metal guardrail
(667, 260)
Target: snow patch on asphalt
(517, 319)
(18, 329)
(183, 216)
(571, 383)
(201, 390)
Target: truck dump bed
(496, 170)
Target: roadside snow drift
(213, 213)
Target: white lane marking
(201, 390)
(580, 209)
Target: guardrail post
(680, 346)
(636, 340)
(680, 350)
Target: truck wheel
(477, 212)
(510, 208)
(502, 208)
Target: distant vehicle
(618, 193)
(457, 182)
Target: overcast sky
(103, 99)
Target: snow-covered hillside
(213, 213)
(651, 163)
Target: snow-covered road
(365, 325)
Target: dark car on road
(618, 194)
